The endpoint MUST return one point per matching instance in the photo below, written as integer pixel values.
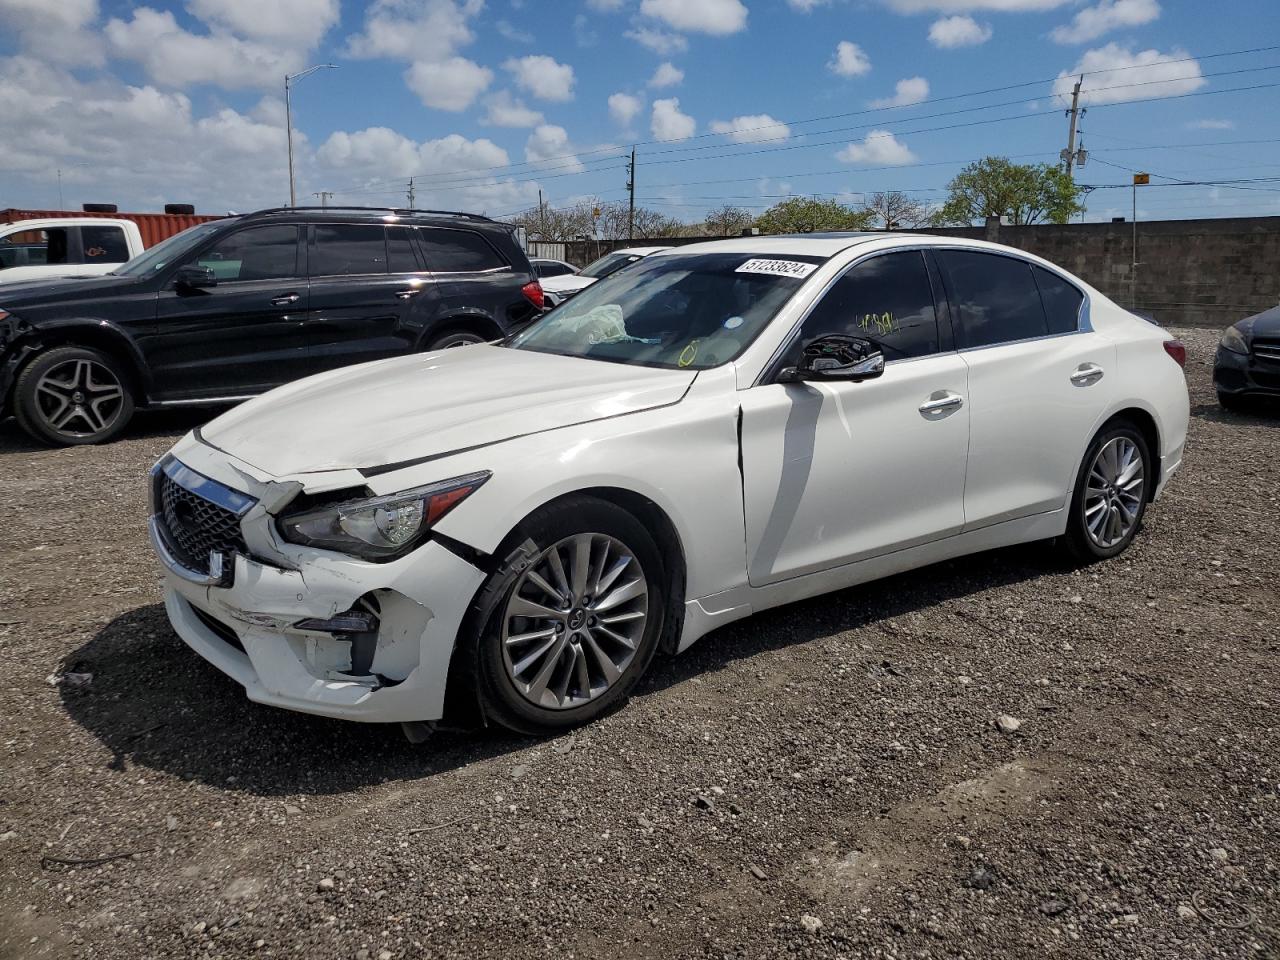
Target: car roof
(640, 251)
(451, 218)
(810, 244)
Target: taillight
(533, 293)
(1178, 350)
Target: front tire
(572, 617)
(1110, 495)
(71, 396)
(1232, 402)
(454, 338)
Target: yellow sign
(1141, 179)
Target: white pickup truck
(66, 247)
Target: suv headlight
(1233, 341)
(381, 528)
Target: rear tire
(71, 396)
(1110, 495)
(571, 619)
(454, 338)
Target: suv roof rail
(399, 211)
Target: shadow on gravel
(1256, 412)
(154, 703)
(147, 423)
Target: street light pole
(289, 80)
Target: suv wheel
(573, 618)
(1110, 496)
(70, 396)
(454, 338)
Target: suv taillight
(533, 293)
(1178, 350)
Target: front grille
(1267, 350)
(195, 526)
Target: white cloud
(667, 75)
(716, 17)
(661, 42)
(1134, 76)
(542, 76)
(906, 92)
(55, 31)
(1108, 15)
(752, 128)
(668, 123)
(427, 31)
(1210, 124)
(504, 110)
(958, 31)
(294, 22)
(605, 6)
(549, 145)
(849, 60)
(807, 6)
(175, 57)
(452, 84)
(879, 148)
(513, 33)
(624, 108)
(966, 6)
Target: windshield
(689, 311)
(166, 251)
(609, 263)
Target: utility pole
(324, 196)
(1069, 154)
(411, 193)
(631, 188)
(289, 81)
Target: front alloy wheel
(73, 395)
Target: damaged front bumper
(265, 616)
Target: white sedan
(557, 289)
(720, 429)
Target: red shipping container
(154, 227)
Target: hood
(568, 283)
(1265, 324)
(31, 293)
(427, 405)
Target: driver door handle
(1087, 374)
(411, 292)
(285, 300)
(937, 404)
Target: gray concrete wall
(1189, 272)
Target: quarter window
(458, 251)
(887, 299)
(348, 249)
(258, 253)
(1061, 301)
(995, 296)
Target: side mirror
(836, 357)
(194, 278)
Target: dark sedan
(1248, 360)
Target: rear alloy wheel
(71, 396)
(574, 616)
(455, 338)
(1110, 496)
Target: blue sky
(728, 101)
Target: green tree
(896, 211)
(1025, 193)
(804, 215)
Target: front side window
(686, 311)
(887, 299)
(458, 251)
(1061, 301)
(348, 249)
(258, 253)
(104, 245)
(167, 251)
(995, 296)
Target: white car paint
(755, 478)
(52, 271)
(558, 289)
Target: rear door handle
(285, 299)
(411, 292)
(1087, 374)
(944, 400)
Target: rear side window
(348, 249)
(458, 251)
(104, 245)
(887, 299)
(401, 257)
(995, 297)
(1061, 301)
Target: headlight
(381, 528)
(1233, 341)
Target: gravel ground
(824, 780)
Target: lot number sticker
(778, 268)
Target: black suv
(234, 307)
